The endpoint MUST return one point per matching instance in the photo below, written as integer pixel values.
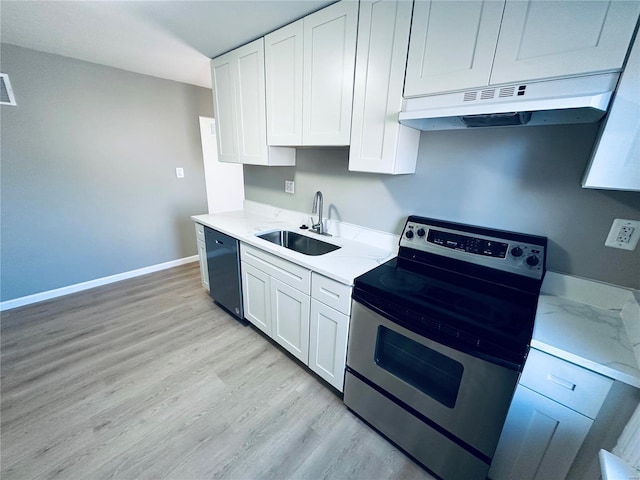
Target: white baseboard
(78, 287)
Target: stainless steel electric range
(438, 338)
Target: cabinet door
(202, 258)
(224, 106)
(452, 45)
(290, 317)
(329, 59)
(378, 142)
(283, 72)
(540, 439)
(202, 255)
(615, 162)
(256, 297)
(239, 106)
(250, 103)
(328, 343)
(543, 39)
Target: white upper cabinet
(460, 45)
(330, 52)
(379, 144)
(615, 162)
(545, 39)
(309, 70)
(239, 107)
(223, 80)
(284, 57)
(452, 45)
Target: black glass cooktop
(479, 317)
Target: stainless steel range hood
(572, 100)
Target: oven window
(427, 370)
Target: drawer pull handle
(297, 278)
(561, 382)
(329, 293)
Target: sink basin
(298, 243)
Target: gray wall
(522, 179)
(88, 171)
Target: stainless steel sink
(298, 243)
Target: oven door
(464, 395)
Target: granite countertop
(590, 324)
(361, 249)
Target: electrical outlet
(289, 186)
(624, 234)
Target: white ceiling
(166, 39)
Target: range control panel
(478, 246)
(508, 254)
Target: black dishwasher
(223, 263)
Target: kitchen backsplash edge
(376, 238)
(622, 300)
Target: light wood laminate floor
(147, 378)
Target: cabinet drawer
(579, 389)
(334, 294)
(200, 231)
(289, 273)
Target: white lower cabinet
(279, 309)
(256, 297)
(290, 319)
(306, 313)
(202, 256)
(552, 411)
(540, 439)
(328, 343)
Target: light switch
(179, 172)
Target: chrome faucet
(317, 208)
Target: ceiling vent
(6, 92)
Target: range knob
(532, 260)
(421, 232)
(409, 234)
(516, 252)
